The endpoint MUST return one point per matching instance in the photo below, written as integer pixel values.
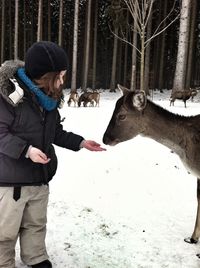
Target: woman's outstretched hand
(92, 146)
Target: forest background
(93, 32)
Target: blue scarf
(44, 101)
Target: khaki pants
(26, 219)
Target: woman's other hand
(37, 156)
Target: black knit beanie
(43, 57)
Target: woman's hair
(47, 83)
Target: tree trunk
(134, 60)
(40, 14)
(86, 65)
(125, 63)
(2, 30)
(126, 51)
(114, 61)
(75, 45)
(147, 58)
(179, 79)
(95, 46)
(25, 42)
(11, 25)
(162, 51)
(60, 23)
(157, 46)
(193, 18)
(16, 29)
(119, 64)
(32, 27)
(142, 37)
(49, 21)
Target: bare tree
(114, 61)
(11, 36)
(40, 14)
(75, 45)
(134, 60)
(179, 78)
(162, 50)
(191, 43)
(31, 26)
(25, 29)
(95, 45)
(115, 11)
(2, 29)
(125, 50)
(49, 20)
(16, 29)
(87, 47)
(141, 13)
(60, 23)
(147, 57)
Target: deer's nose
(108, 140)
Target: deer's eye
(121, 117)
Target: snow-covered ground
(128, 207)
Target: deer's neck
(166, 128)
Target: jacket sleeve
(65, 139)
(10, 144)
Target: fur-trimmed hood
(7, 71)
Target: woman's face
(52, 83)
(60, 80)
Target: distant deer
(134, 115)
(89, 97)
(73, 97)
(94, 98)
(182, 95)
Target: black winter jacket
(25, 124)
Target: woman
(30, 95)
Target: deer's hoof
(191, 240)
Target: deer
(89, 97)
(135, 114)
(182, 95)
(73, 97)
(94, 98)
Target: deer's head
(126, 122)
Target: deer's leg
(196, 233)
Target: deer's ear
(123, 90)
(139, 100)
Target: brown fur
(89, 97)
(73, 97)
(183, 95)
(179, 133)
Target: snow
(129, 207)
